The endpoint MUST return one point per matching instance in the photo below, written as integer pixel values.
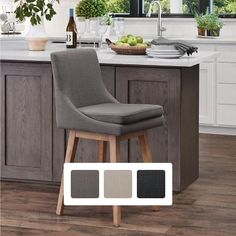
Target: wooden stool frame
(103, 139)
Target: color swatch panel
(118, 184)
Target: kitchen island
(32, 148)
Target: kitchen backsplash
(179, 27)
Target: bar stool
(88, 110)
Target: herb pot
(214, 33)
(201, 31)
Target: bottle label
(69, 38)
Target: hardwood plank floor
(207, 207)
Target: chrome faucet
(160, 29)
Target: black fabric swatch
(151, 184)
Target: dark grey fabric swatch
(151, 184)
(84, 184)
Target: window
(176, 8)
(225, 7)
(119, 6)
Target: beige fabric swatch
(117, 184)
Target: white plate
(164, 53)
(163, 47)
(165, 56)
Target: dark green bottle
(71, 31)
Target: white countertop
(194, 39)
(17, 51)
(216, 40)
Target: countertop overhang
(17, 51)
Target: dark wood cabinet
(33, 148)
(176, 89)
(26, 121)
(150, 86)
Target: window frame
(136, 10)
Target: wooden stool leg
(116, 215)
(102, 151)
(115, 157)
(145, 148)
(147, 156)
(70, 156)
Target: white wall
(57, 26)
(180, 27)
(7, 3)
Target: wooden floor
(206, 208)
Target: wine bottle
(71, 31)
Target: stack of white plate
(164, 51)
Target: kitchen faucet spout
(160, 29)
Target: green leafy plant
(165, 5)
(35, 10)
(118, 6)
(201, 21)
(91, 8)
(213, 22)
(191, 6)
(210, 23)
(108, 19)
(225, 6)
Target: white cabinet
(226, 73)
(226, 115)
(227, 53)
(217, 105)
(226, 86)
(226, 94)
(206, 96)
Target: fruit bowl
(126, 49)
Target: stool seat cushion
(118, 113)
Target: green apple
(142, 45)
(125, 45)
(129, 35)
(119, 43)
(124, 39)
(139, 39)
(132, 41)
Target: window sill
(154, 19)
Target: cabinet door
(26, 121)
(206, 97)
(152, 86)
(226, 93)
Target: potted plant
(201, 24)
(36, 11)
(213, 25)
(90, 10)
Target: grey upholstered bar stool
(88, 110)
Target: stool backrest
(77, 75)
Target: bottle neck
(71, 13)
